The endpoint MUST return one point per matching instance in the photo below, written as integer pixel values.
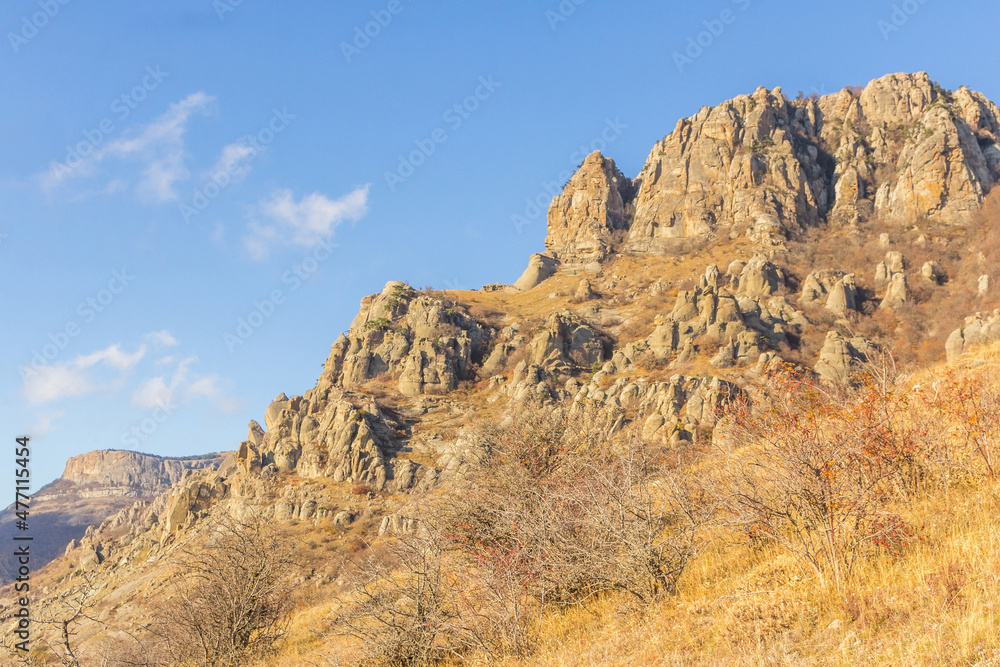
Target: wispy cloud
(183, 386)
(78, 376)
(162, 338)
(306, 222)
(234, 161)
(158, 146)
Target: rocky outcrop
(896, 293)
(325, 435)
(750, 164)
(839, 356)
(738, 314)
(564, 342)
(93, 487)
(979, 329)
(540, 268)
(672, 411)
(117, 472)
(582, 220)
(191, 500)
(762, 166)
(415, 340)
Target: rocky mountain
(765, 167)
(93, 487)
(819, 232)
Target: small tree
(231, 599)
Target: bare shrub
(557, 508)
(405, 609)
(965, 412)
(231, 599)
(815, 470)
(577, 505)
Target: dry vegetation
(891, 487)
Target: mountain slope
(93, 487)
(819, 232)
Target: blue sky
(171, 169)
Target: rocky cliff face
(902, 149)
(582, 220)
(115, 472)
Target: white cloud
(158, 390)
(162, 338)
(113, 356)
(75, 378)
(182, 387)
(234, 161)
(306, 222)
(159, 146)
(52, 383)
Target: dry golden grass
(937, 604)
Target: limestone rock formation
(324, 435)
(417, 340)
(979, 329)
(932, 272)
(540, 267)
(896, 293)
(584, 217)
(117, 472)
(839, 356)
(762, 166)
(563, 342)
(741, 165)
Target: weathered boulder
(896, 293)
(839, 356)
(563, 342)
(843, 296)
(540, 268)
(932, 272)
(759, 278)
(979, 329)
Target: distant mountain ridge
(93, 487)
